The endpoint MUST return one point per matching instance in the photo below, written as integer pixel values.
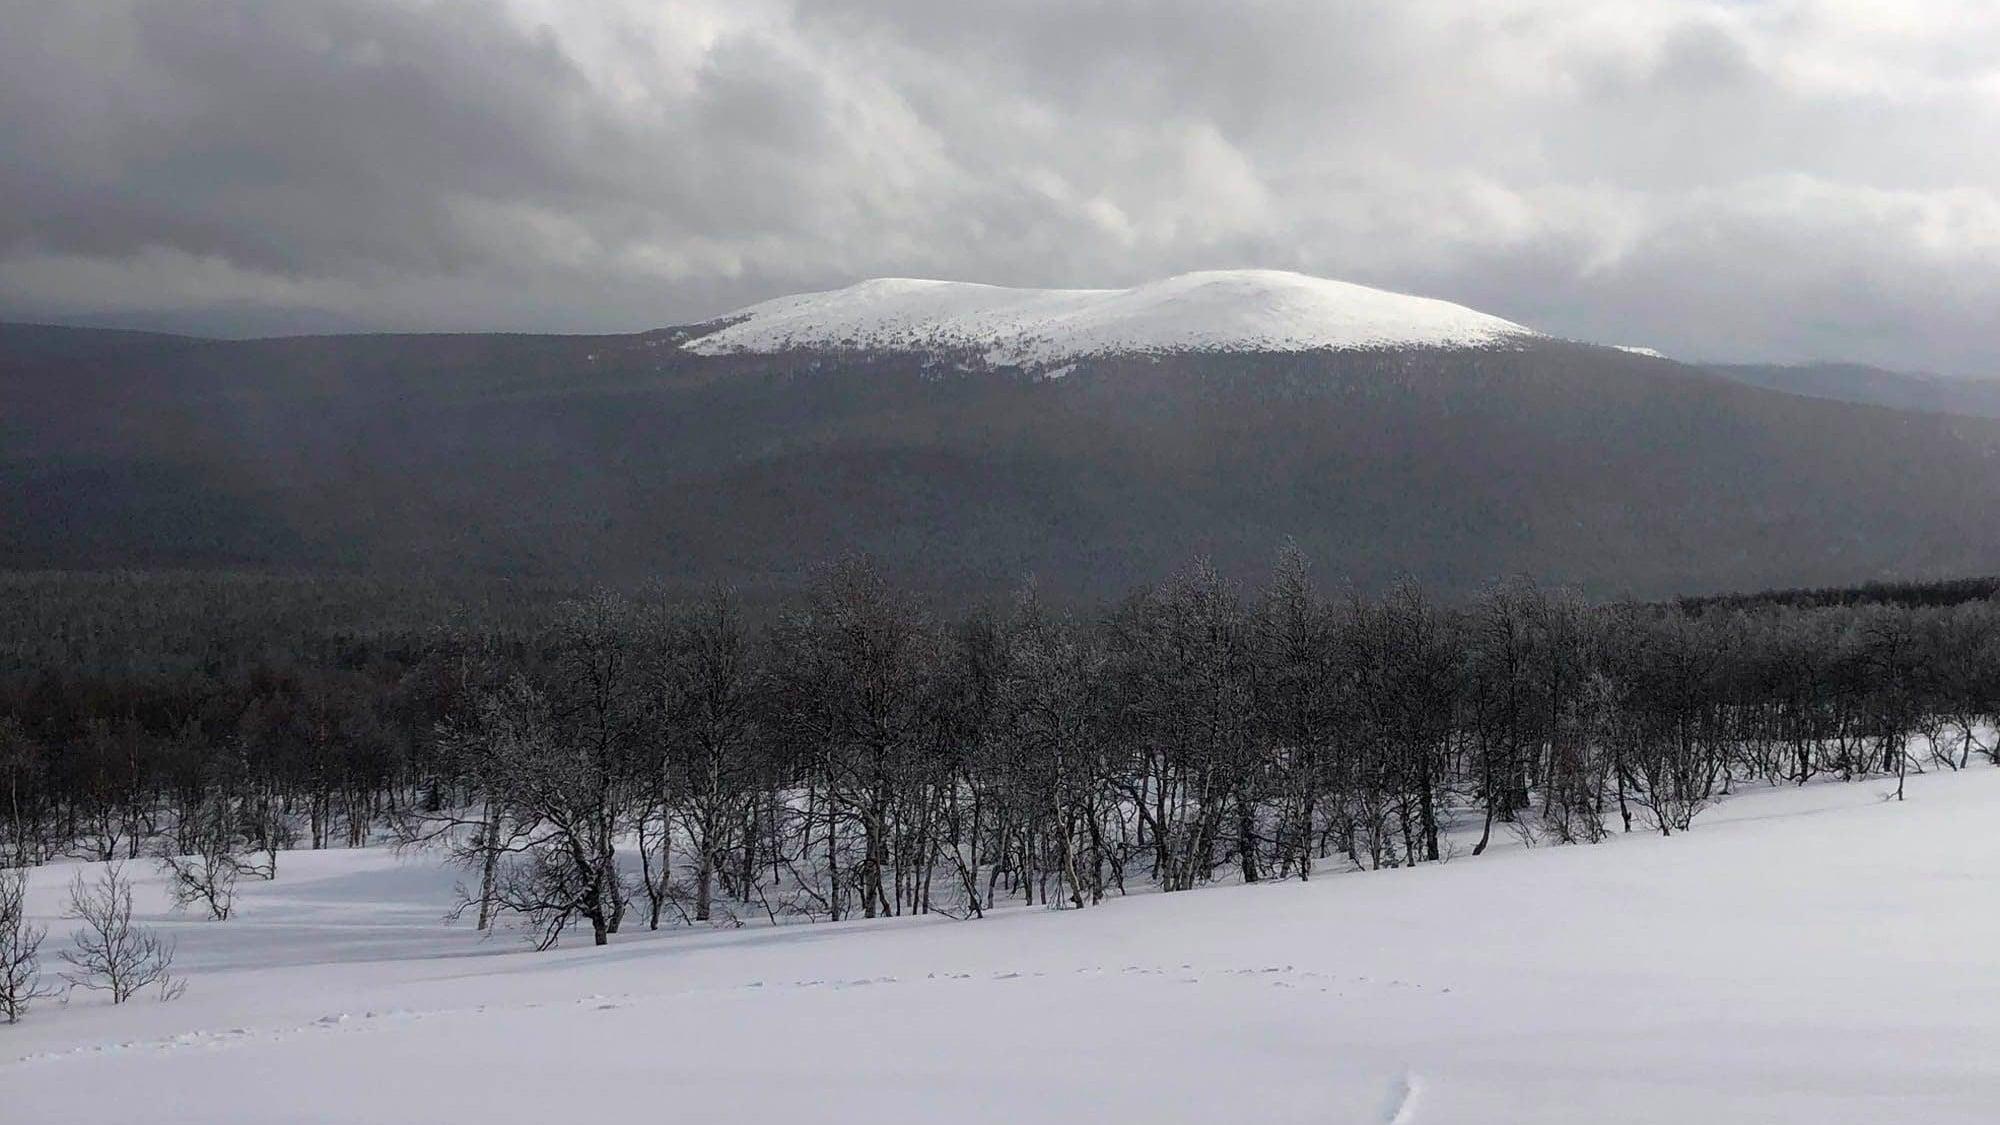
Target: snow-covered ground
(1217, 310)
(1813, 955)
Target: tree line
(640, 759)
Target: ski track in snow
(1274, 976)
(1400, 1108)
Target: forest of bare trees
(625, 760)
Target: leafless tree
(21, 766)
(854, 679)
(20, 948)
(1051, 772)
(110, 954)
(1298, 695)
(208, 873)
(700, 750)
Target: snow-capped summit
(1212, 310)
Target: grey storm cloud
(1757, 179)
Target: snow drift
(1218, 310)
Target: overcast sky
(1789, 179)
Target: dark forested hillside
(566, 459)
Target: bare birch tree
(20, 949)
(108, 953)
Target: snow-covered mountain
(1588, 465)
(1210, 311)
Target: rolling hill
(967, 436)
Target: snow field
(1814, 954)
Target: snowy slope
(1807, 954)
(1220, 310)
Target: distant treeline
(590, 760)
(1948, 592)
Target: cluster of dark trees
(636, 758)
(1944, 593)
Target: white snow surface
(1216, 310)
(1817, 954)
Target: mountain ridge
(626, 458)
(1875, 386)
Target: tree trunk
(489, 864)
